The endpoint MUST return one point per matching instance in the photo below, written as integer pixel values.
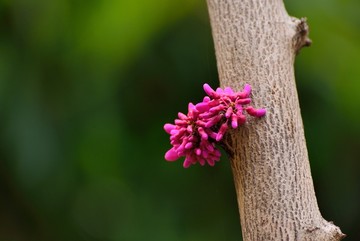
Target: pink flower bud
(205, 153)
(234, 121)
(206, 99)
(211, 133)
(213, 121)
(228, 91)
(189, 145)
(255, 112)
(189, 128)
(192, 110)
(169, 127)
(187, 162)
(206, 115)
(229, 112)
(200, 123)
(209, 91)
(243, 101)
(217, 153)
(209, 147)
(192, 138)
(202, 107)
(182, 116)
(216, 108)
(211, 162)
(203, 134)
(247, 90)
(202, 161)
(241, 119)
(222, 131)
(180, 122)
(171, 155)
(174, 132)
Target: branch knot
(301, 38)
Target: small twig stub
(301, 38)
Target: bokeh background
(85, 88)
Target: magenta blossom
(227, 107)
(191, 140)
(194, 135)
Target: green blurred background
(85, 88)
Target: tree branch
(256, 42)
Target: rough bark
(256, 42)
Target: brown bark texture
(256, 42)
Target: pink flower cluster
(194, 135)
